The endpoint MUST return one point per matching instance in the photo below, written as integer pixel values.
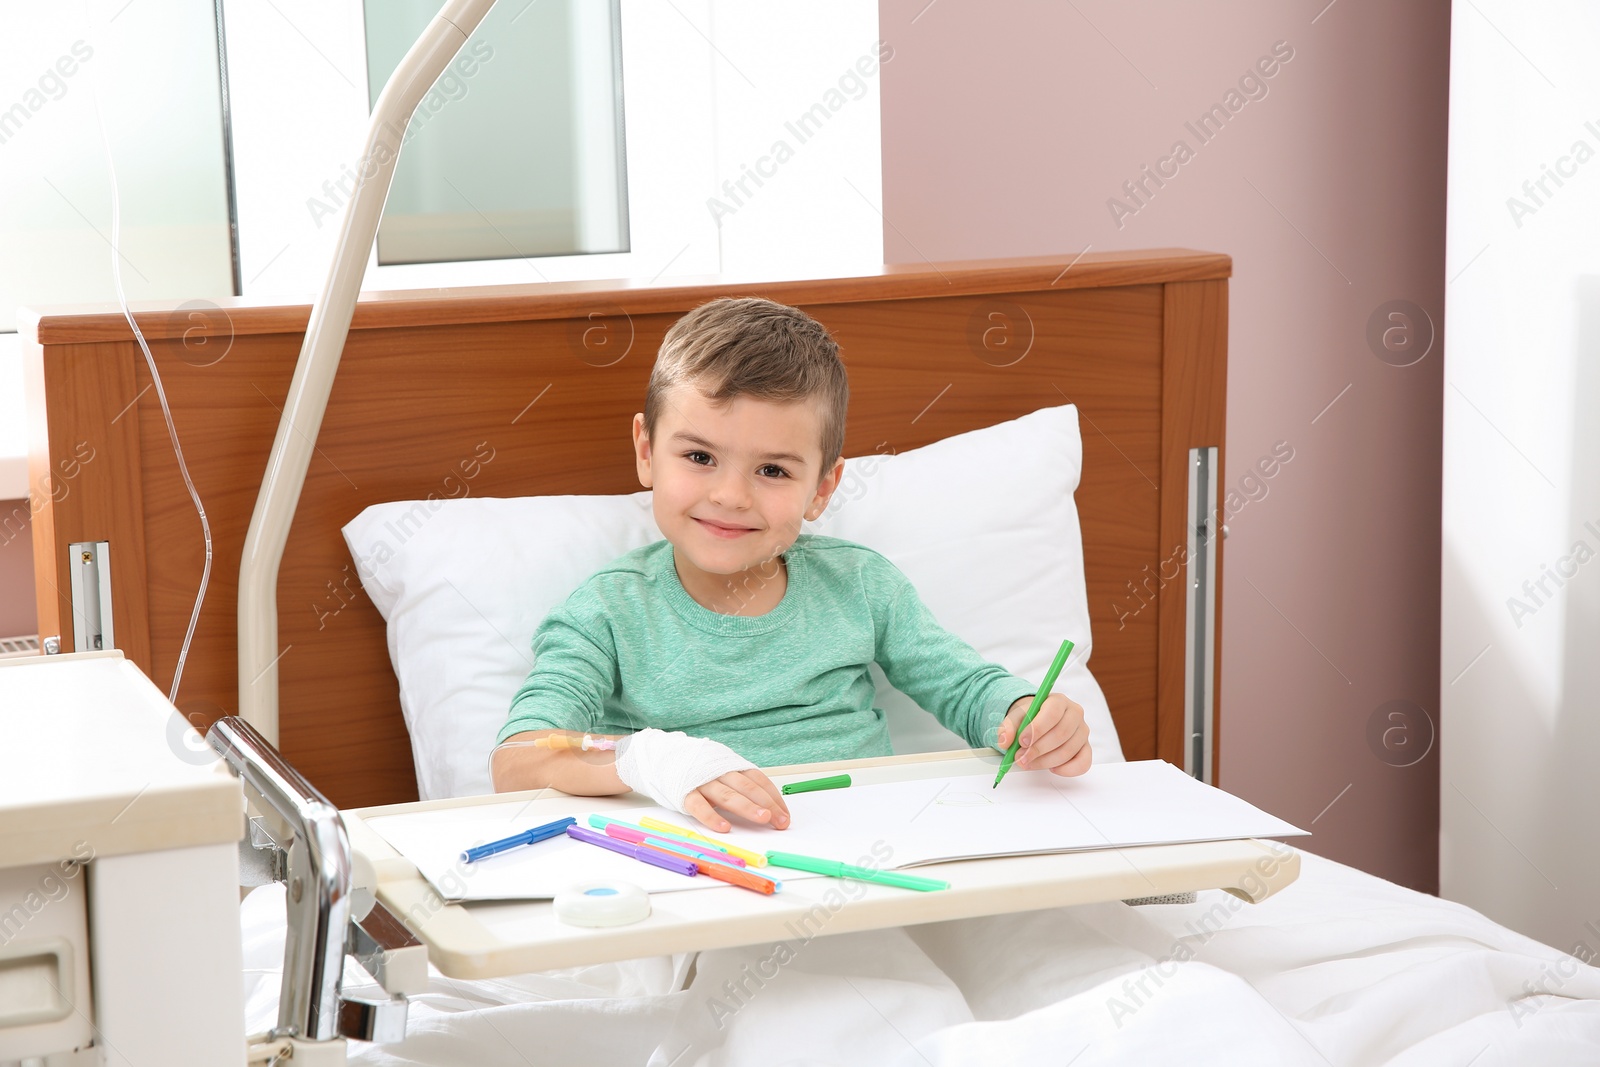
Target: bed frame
(530, 389)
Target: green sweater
(630, 649)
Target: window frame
(283, 247)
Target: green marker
(835, 869)
(838, 781)
(1038, 702)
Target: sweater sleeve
(940, 671)
(574, 669)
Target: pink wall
(1007, 127)
(17, 612)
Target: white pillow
(985, 527)
(983, 524)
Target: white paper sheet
(889, 825)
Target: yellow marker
(753, 859)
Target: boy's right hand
(663, 764)
(749, 794)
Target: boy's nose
(730, 490)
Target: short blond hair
(749, 346)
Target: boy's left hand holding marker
(1056, 740)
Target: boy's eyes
(695, 458)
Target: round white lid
(602, 904)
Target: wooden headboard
(545, 379)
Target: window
(166, 137)
(693, 170)
(518, 150)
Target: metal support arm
(300, 839)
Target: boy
(737, 640)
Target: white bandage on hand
(666, 766)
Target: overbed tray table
(490, 940)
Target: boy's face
(732, 481)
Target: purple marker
(647, 855)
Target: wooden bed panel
(1194, 399)
(86, 473)
(1099, 349)
(503, 409)
(536, 384)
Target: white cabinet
(119, 917)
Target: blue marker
(527, 837)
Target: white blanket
(1339, 968)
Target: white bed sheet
(1339, 968)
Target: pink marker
(639, 837)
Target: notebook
(889, 826)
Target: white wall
(1520, 664)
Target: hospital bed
(1338, 968)
(525, 391)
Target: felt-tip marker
(1033, 709)
(837, 781)
(679, 864)
(527, 837)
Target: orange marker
(722, 872)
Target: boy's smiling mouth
(719, 530)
